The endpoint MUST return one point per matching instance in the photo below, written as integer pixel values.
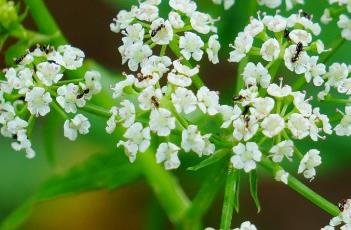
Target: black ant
(141, 77)
(305, 15)
(299, 49)
(341, 205)
(155, 101)
(238, 98)
(155, 31)
(81, 95)
(52, 62)
(19, 60)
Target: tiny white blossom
(208, 101)
(38, 101)
(246, 226)
(168, 153)
(163, 32)
(202, 23)
(256, 74)
(298, 35)
(254, 28)
(176, 20)
(148, 97)
(262, 107)
(184, 6)
(184, 100)
(246, 156)
(272, 125)
(190, 45)
(181, 74)
(279, 90)
(229, 114)
(146, 12)
(275, 23)
(344, 127)
(161, 122)
(270, 49)
(123, 19)
(68, 98)
(192, 140)
(138, 140)
(213, 49)
(309, 162)
(79, 124)
(127, 113)
(69, 57)
(120, 86)
(245, 128)
(345, 24)
(336, 74)
(315, 71)
(242, 45)
(298, 65)
(111, 122)
(281, 150)
(282, 175)
(299, 125)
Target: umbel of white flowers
(35, 85)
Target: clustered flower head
(35, 85)
(343, 220)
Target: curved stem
(305, 191)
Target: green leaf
(253, 189)
(230, 198)
(237, 194)
(217, 156)
(100, 171)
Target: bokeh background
(86, 25)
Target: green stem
(45, 21)
(97, 110)
(229, 198)
(305, 191)
(165, 186)
(337, 45)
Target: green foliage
(253, 189)
(101, 171)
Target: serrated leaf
(253, 189)
(100, 171)
(217, 156)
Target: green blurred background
(86, 25)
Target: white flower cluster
(36, 83)
(289, 39)
(341, 11)
(151, 101)
(282, 113)
(343, 221)
(183, 31)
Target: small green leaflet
(253, 189)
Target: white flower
(246, 226)
(69, 57)
(317, 119)
(282, 175)
(155, 65)
(242, 45)
(184, 6)
(262, 107)
(161, 122)
(270, 49)
(133, 34)
(315, 71)
(246, 156)
(344, 23)
(281, 150)
(245, 128)
(344, 127)
(309, 162)
(79, 124)
(275, 23)
(176, 20)
(326, 18)
(270, 3)
(279, 91)
(256, 74)
(227, 3)
(12, 81)
(208, 101)
(161, 32)
(136, 54)
(229, 114)
(299, 125)
(302, 104)
(298, 35)
(127, 113)
(119, 87)
(123, 19)
(16, 125)
(138, 140)
(111, 122)
(202, 23)
(184, 100)
(146, 12)
(337, 73)
(290, 3)
(22, 143)
(295, 61)
(38, 101)
(272, 125)
(49, 73)
(181, 74)
(193, 141)
(213, 49)
(254, 28)
(190, 45)
(149, 98)
(91, 84)
(168, 153)
(68, 98)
